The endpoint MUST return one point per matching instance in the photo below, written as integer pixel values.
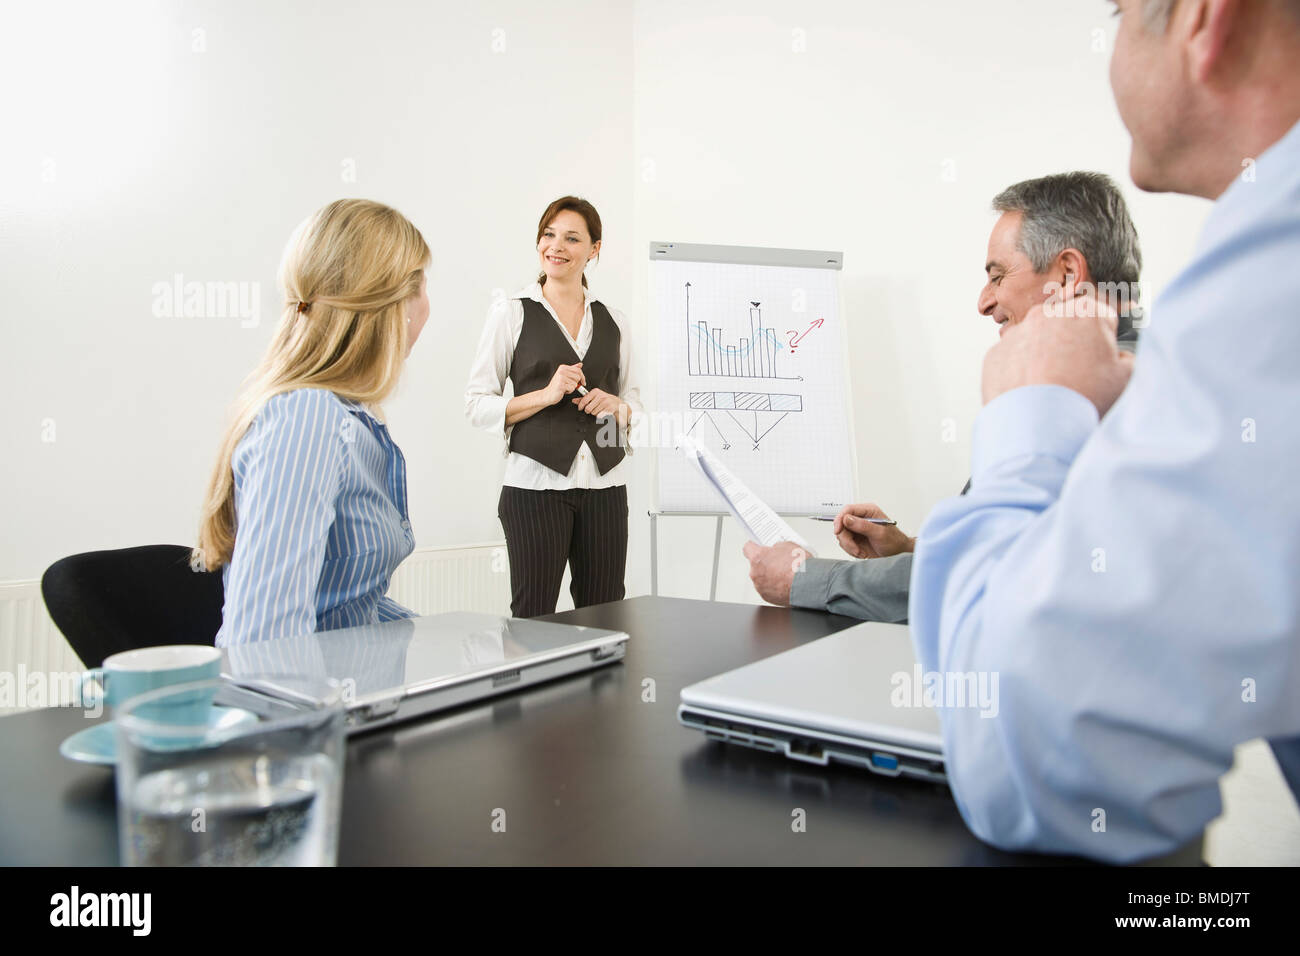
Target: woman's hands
(565, 380)
(600, 403)
(596, 402)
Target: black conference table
(586, 770)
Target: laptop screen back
(861, 683)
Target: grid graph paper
(752, 366)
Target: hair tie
(303, 307)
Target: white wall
(165, 160)
(132, 157)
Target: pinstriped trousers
(584, 528)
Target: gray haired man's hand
(1069, 342)
(773, 569)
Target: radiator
(469, 578)
(430, 581)
(31, 651)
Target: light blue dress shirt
(322, 523)
(1134, 585)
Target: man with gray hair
(1065, 235)
(1071, 229)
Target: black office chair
(110, 601)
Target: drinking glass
(257, 781)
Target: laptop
(854, 697)
(397, 670)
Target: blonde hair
(347, 273)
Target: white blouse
(485, 398)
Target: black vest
(554, 435)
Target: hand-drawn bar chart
(754, 356)
(751, 352)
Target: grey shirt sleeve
(874, 589)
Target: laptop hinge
(376, 711)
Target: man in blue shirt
(1135, 583)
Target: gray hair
(1156, 13)
(1083, 211)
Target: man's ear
(1072, 267)
(1208, 27)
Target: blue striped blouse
(321, 519)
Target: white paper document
(759, 522)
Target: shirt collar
(534, 292)
(1248, 201)
(354, 406)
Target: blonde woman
(306, 509)
(566, 357)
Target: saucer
(98, 744)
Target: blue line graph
(703, 334)
(754, 356)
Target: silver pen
(889, 521)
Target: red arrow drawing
(794, 342)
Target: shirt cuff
(1033, 421)
(491, 413)
(625, 434)
(811, 587)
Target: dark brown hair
(584, 209)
